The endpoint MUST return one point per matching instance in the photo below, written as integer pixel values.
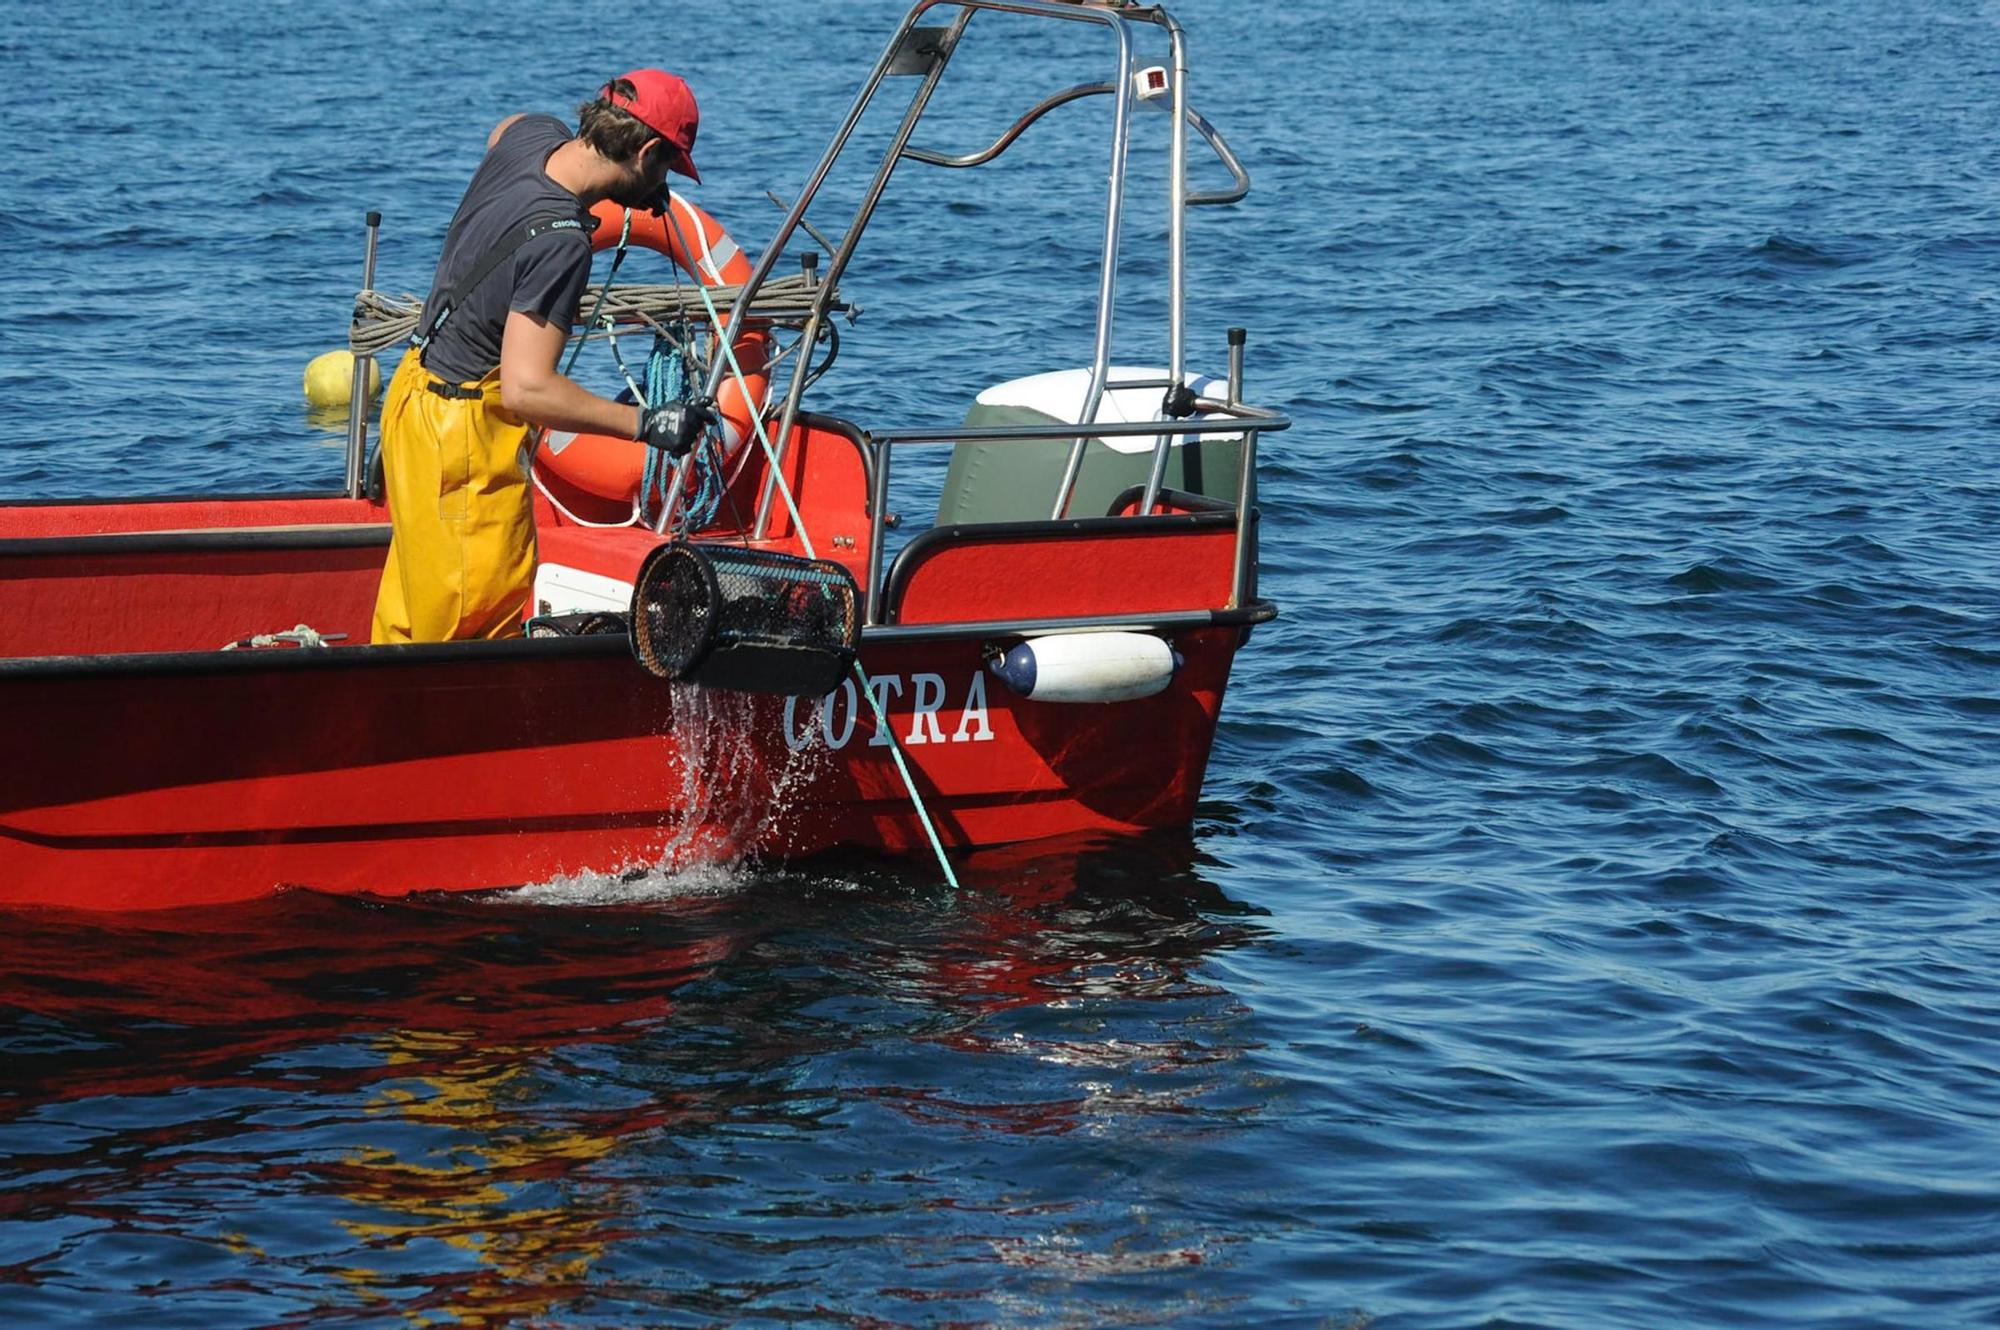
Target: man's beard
(639, 196)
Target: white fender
(1088, 667)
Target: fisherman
(481, 374)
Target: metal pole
(674, 488)
(837, 265)
(357, 402)
(1177, 216)
(1242, 579)
(878, 529)
(1176, 256)
(1107, 280)
(1222, 418)
(795, 216)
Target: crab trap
(749, 620)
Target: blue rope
(667, 380)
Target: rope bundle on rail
(383, 321)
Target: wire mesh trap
(749, 620)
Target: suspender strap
(496, 254)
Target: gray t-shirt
(545, 276)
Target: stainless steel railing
(1224, 418)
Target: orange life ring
(611, 467)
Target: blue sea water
(1593, 913)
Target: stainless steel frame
(926, 55)
(357, 397)
(1226, 418)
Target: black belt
(455, 391)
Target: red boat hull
(140, 767)
(456, 768)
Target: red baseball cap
(663, 102)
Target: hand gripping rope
(667, 380)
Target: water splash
(732, 804)
(651, 885)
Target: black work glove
(674, 427)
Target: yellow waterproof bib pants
(462, 545)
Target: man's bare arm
(532, 388)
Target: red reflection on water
(489, 1149)
(146, 1006)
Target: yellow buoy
(330, 380)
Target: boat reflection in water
(688, 1093)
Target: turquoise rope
(667, 381)
(805, 538)
(902, 767)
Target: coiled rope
(669, 380)
(385, 322)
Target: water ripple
(1588, 917)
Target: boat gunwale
(317, 536)
(371, 656)
(119, 500)
(908, 558)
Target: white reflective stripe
(724, 254)
(703, 261)
(556, 441)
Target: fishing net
(748, 620)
